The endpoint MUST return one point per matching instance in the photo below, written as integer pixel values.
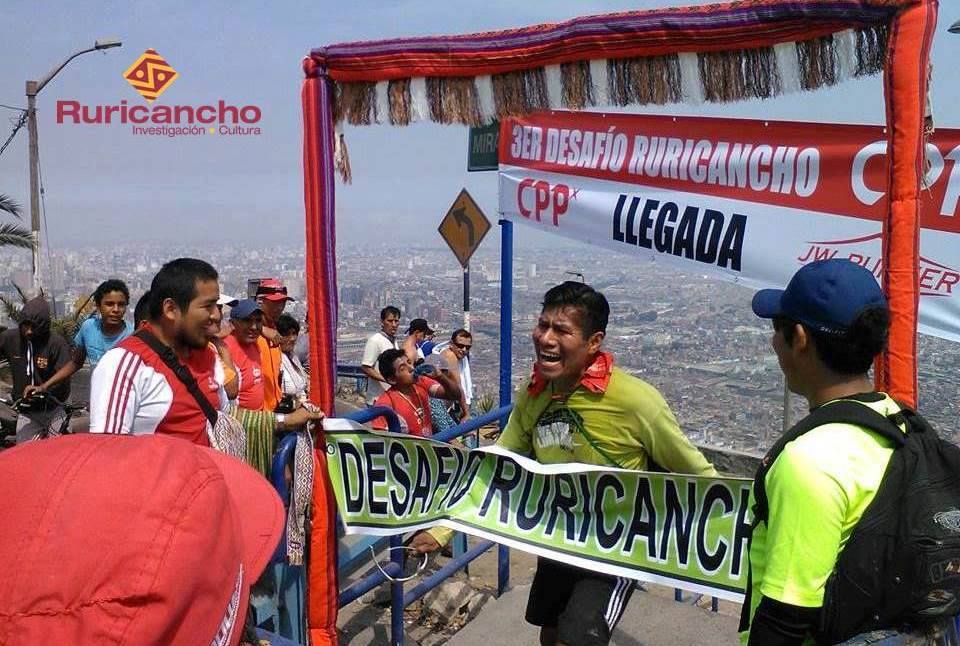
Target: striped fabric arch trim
(747, 24)
(751, 49)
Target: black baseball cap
(419, 325)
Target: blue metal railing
(364, 415)
(474, 423)
(353, 371)
(289, 617)
(282, 458)
(506, 362)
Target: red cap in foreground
(125, 539)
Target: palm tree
(13, 235)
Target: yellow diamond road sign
(463, 227)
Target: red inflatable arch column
(905, 89)
(322, 309)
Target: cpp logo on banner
(538, 197)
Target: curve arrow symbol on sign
(463, 220)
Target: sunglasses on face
(463, 346)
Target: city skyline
(694, 338)
(102, 181)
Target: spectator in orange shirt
(272, 298)
(247, 319)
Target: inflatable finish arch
(717, 52)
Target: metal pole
(466, 297)
(32, 89)
(506, 358)
(34, 183)
(396, 594)
(506, 313)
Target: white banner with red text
(743, 200)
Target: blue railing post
(396, 594)
(506, 314)
(506, 365)
(463, 428)
(364, 415)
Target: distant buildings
(695, 339)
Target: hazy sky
(103, 182)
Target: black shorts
(584, 606)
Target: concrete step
(652, 618)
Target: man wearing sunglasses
(457, 356)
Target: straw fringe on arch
(871, 50)
(518, 93)
(453, 100)
(722, 76)
(355, 103)
(577, 85)
(646, 80)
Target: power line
(22, 121)
(12, 107)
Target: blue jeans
(942, 633)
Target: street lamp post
(33, 88)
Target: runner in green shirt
(578, 407)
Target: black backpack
(900, 567)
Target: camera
(286, 405)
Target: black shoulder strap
(181, 371)
(842, 411)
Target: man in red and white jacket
(134, 391)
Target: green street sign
(482, 147)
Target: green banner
(685, 531)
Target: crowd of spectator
(188, 344)
(427, 383)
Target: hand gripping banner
(688, 532)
